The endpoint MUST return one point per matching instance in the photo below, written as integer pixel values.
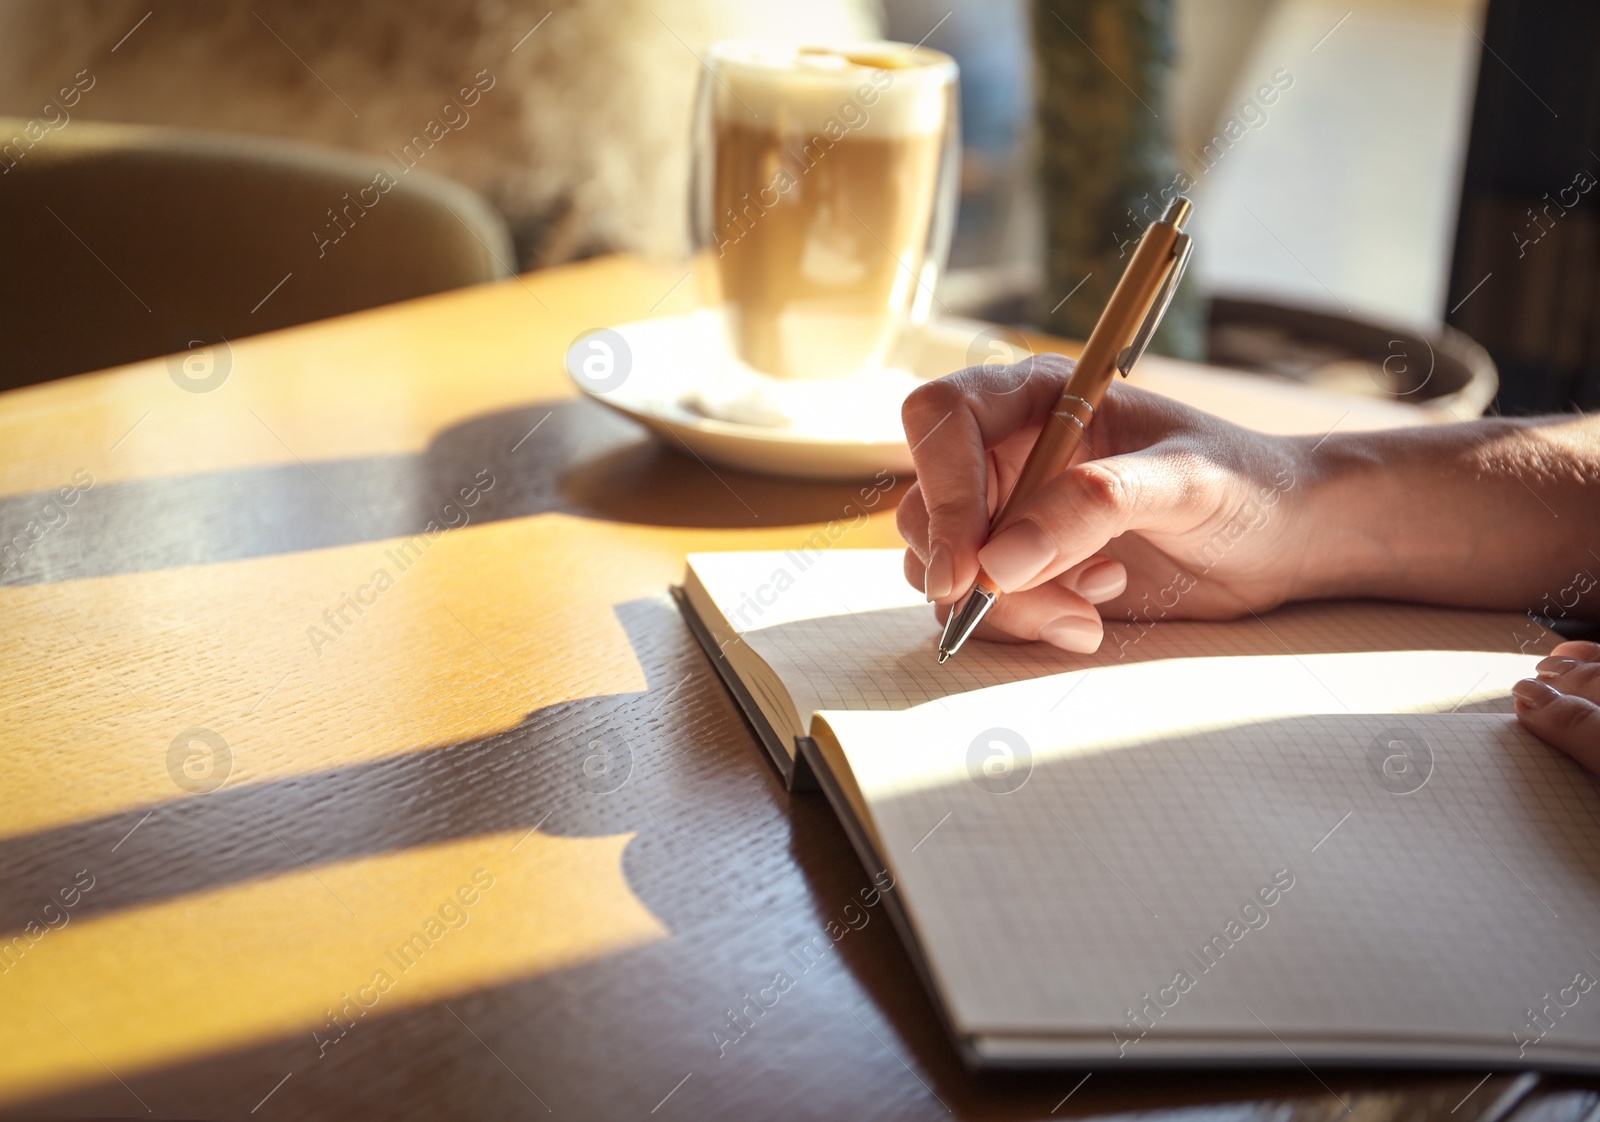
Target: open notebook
(1315, 837)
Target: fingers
(1096, 579)
(1050, 613)
(950, 425)
(1572, 675)
(1562, 705)
(911, 518)
(1075, 514)
(1060, 613)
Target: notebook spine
(804, 777)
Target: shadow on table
(569, 457)
(680, 736)
(736, 870)
(739, 872)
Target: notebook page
(1096, 865)
(843, 630)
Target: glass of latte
(824, 192)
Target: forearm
(1495, 513)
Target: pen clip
(1131, 354)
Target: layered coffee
(819, 195)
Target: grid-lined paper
(847, 632)
(1425, 916)
(1160, 791)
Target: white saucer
(654, 370)
(651, 370)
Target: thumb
(1074, 515)
(1562, 720)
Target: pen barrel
(1049, 458)
(1126, 311)
(1068, 426)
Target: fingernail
(1016, 554)
(1534, 693)
(1072, 633)
(1103, 581)
(941, 573)
(1554, 667)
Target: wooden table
(295, 820)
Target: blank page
(843, 630)
(1431, 905)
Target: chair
(121, 243)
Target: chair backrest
(120, 243)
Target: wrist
(1414, 513)
(1350, 516)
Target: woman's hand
(1172, 513)
(1178, 513)
(1562, 705)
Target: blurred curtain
(1525, 281)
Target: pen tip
(944, 657)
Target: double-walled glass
(824, 192)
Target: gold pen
(1118, 339)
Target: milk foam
(792, 90)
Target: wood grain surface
(296, 820)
